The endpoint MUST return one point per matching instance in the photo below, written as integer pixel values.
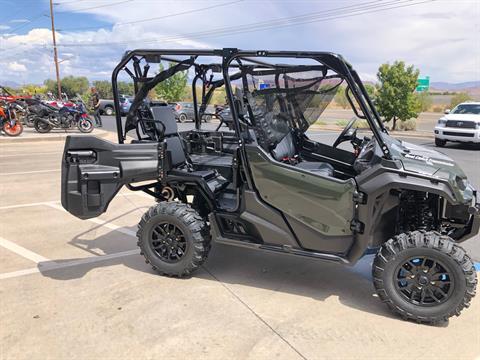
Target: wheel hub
(424, 281)
(168, 242)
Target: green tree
(424, 101)
(71, 85)
(371, 91)
(104, 88)
(341, 98)
(395, 97)
(459, 98)
(31, 89)
(125, 88)
(173, 88)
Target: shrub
(408, 125)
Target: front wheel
(424, 276)
(13, 130)
(440, 142)
(30, 120)
(173, 238)
(85, 125)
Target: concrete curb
(415, 134)
(53, 136)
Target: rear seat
(174, 143)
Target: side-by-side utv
(264, 183)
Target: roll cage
(136, 64)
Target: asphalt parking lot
(78, 289)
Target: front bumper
(457, 134)
(473, 226)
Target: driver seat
(286, 149)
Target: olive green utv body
(264, 184)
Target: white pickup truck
(462, 124)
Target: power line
(155, 18)
(30, 21)
(327, 15)
(94, 7)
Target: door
(319, 209)
(94, 170)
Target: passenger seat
(286, 149)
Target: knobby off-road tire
(186, 244)
(400, 253)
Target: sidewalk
(30, 134)
(412, 133)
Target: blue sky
(441, 38)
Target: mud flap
(94, 170)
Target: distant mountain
(11, 84)
(439, 85)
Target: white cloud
(4, 27)
(16, 67)
(19, 21)
(441, 38)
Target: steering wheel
(346, 134)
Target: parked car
(185, 111)
(462, 124)
(107, 106)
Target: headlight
(442, 122)
(461, 183)
(477, 126)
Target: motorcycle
(67, 117)
(9, 123)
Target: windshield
(467, 109)
(289, 99)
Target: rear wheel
(108, 110)
(440, 142)
(424, 276)
(13, 130)
(42, 126)
(173, 238)
(182, 118)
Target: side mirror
(447, 111)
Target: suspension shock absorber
(415, 211)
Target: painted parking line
(20, 250)
(8, 207)
(29, 172)
(49, 266)
(99, 222)
(48, 203)
(29, 154)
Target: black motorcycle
(49, 117)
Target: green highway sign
(423, 84)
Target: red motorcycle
(9, 122)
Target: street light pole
(55, 55)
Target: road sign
(423, 84)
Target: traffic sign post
(423, 84)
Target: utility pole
(55, 55)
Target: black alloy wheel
(424, 281)
(168, 242)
